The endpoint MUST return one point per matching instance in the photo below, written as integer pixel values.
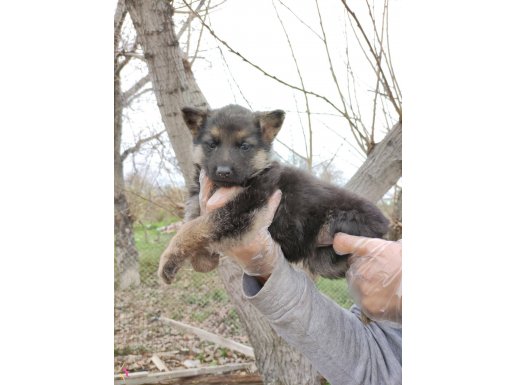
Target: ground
(197, 299)
(139, 333)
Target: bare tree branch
(380, 39)
(328, 162)
(383, 77)
(119, 65)
(128, 95)
(359, 151)
(138, 144)
(178, 206)
(119, 17)
(199, 37)
(382, 168)
(299, 19)
(354, 129)
(232, 76)
(309, 155)
(191, 16)
(263, 71)
(301, 123)
(132, 54)
(291, 149)
(392, 72)
(129, 101)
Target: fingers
(351, 244)
(222, 196)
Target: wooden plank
(221, 379)
(155, 378)
(131, 375)
(159, 363)
(211, 337)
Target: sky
(225, 78)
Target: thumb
(271, 207)
(359, 246)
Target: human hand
(256, 252)
(374, 275)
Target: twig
(392, 72)
(384, 80)
(309, 155)
(128, 95)
(199, 37)
(232, 76)
(211, 337)
(187, 23)
(128, 102)
(291, 149)
(301, 123)
(154, 203)
(299, 19)
(138, 144)
(354, 129)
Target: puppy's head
(232, 143)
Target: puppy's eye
(245, 146)
(211, 145)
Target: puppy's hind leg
(368, 222)
(205, 263)
(327, 263)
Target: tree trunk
(382, 168)
(125, 248)
(395, 232)
(172, 79)
(277, 362)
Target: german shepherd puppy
(232, 145)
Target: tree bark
(382, 168)
(172, 79)
(277, 361)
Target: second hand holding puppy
(258, 253)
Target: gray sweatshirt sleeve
(341, 347)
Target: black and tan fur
(232, 145)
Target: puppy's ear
(194, 118)
(270, 123)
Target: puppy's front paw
(168, 272)
(169, 264)
(191, 240)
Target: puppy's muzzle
(223, 172)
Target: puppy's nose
(223, 171)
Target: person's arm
(338, 344)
